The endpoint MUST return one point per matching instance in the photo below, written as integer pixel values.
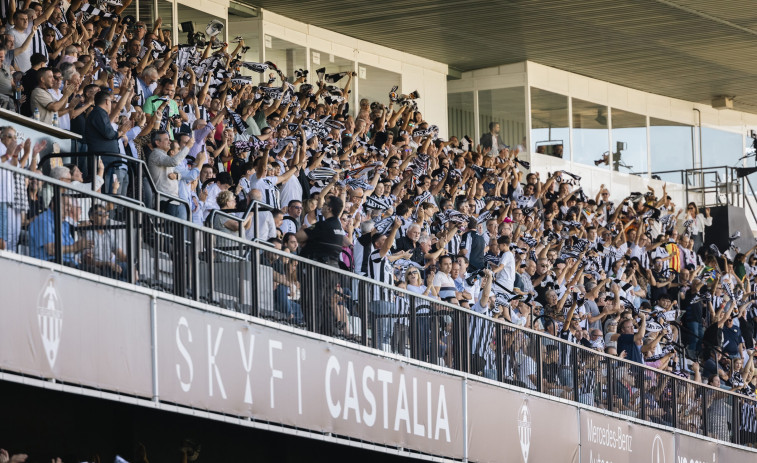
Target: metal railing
(144, 247)
(143, 186)
(714, 186)
(254, 208)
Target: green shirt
(153, 103)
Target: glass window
(249, 31)
(549, 123)
(165, 12)
(671, 148)
(375, 84)
(629, 142)
(462, 120)
(146, 12)
(721, 148)
(191, 19)
(503, 109)
(287, 56)
(591, 138)
(750, 147)
(332, 65)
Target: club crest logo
(658, 450)
(524, 430)
(50, 319)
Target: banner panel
(692, 450)
(229, 366)
(57, 326)
(607, 438)
(509, 426)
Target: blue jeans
(284, 304)
(123, 180)
(176, 210)
(696, 332)
(382, 327)
(10, 226)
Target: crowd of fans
(372, 190)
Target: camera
(471, 280)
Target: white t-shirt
(442, 279)
(23, 60)
(291, 190)
(506, 276)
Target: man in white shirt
(20, 33)
(162, 167)
(265, 224)
(444, 283)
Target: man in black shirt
(472, 246)
(322, 243)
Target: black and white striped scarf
(38, 43)
(88, 10)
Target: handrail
(142, 173)
(215, 212)
(253, 207)
(92, 165)
(355, 276)
(465, 316)
(731, 177)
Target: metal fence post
(499, 339)
(58, 223)
(196, 238)
(703, 393)
(610, 385)
(574, 356)
(674, 402)
(412, 326)
(363, 309)
(735, 418)
(539, 365)
(130, 236)
(643, 394)
(254, 275)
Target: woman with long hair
(695, 222)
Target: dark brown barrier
(93, 335)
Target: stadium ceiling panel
(689, 49)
